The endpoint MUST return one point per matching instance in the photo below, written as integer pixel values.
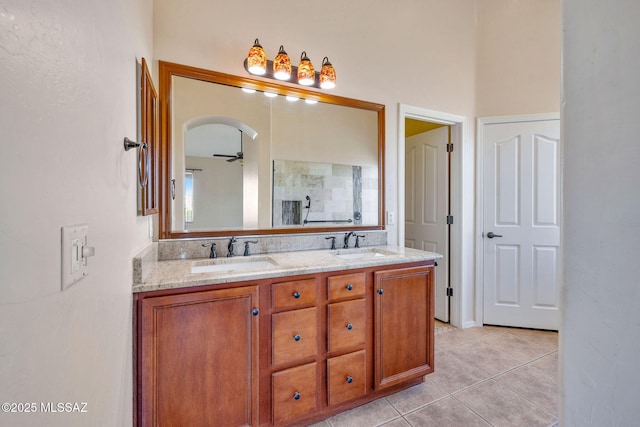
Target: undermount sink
(363, 253)
(226, 265)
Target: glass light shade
(327, 75)
(282, 65)
(257, 59)
(306, 73)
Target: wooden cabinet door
(199, 359)
(403, 313)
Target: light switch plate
(391, 217)
(74, 265)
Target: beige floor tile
(419, 395)
(521, 349)
(451, 339)
(484, 358)
(503, 407)
(548, 364)
(545, 339)
(321, 424)
(453, 374)
(398, 422)
(372, 414)
(447, 412)
(482, 331)
(533, 384)
(523, 392)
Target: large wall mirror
(242, 156)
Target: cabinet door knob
(255, 312)
(296, 395)
(349, 326)
(349, 287)
(349, 380)
(380, 291)
(296, 337)
(296, 294)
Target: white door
(427, 204)
(521, 230)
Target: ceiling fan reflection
(231, 158)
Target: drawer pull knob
(349, 326)
(255, 312)
(380, 291)
(296, 337)
(349, 380)
(296, 395)
(349, 287)
(296, 294)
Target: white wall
(68, 79)
(518, 51)
(600, 338)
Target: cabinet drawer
(346, 324)
(294, 335)
(293, 393)
(346, 377)
(348, 285)
(294, 294)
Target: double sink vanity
(298, 331)
(285, 338)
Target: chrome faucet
(230, 252)
(346, 239)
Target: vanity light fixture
(282, 65)
(270, 94)
(306, 73)
(292, 98)
(247, 90)
(311, 101)
(327, 75)
(257, 59)
(280, 68)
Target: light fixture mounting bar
(294, 74)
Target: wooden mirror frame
(168, 70)
(148, 193)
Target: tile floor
(487, 376)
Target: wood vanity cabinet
(320, 344)
(404, 325)
(198, 359)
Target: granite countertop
(179, 273)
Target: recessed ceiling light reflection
(247, 90)
(292, 98)
(311, 101)
(270, 94)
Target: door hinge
(449, 292)
(449, 219)
(449, 148)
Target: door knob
(491, 235)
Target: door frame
(458, 126)
(481, 121)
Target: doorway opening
(429, 198)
